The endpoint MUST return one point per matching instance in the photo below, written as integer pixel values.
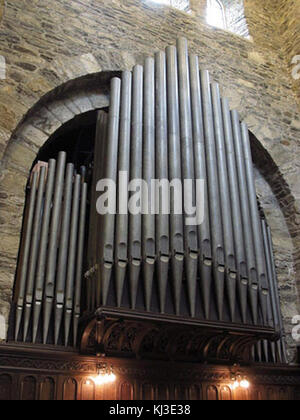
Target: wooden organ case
(152, 292)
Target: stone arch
(52, 111)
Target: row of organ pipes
(167, 120)
(49, 275)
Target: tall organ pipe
(236, 211)
(79, 265)
(278, 306)
(63, 252)
(124, 167)
(204, 235)
(34, 251)
(69, 295)
(111, 168)
(162, 173)
(214, 194)
(149, 249)
(21, 284)
(175, 173)
(230, 260)
(42, 255)
(135, 226)
(256, 225)
(93, 279)
(246, 216)
(188, 170)
(53, 242)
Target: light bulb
(236, 385)
(113, 377)
(245, 384)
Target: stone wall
(288, 13)
(48, 47)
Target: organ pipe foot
(219, 286)
(253, 292)
(36, 319)
(58, 321)
(177, 273)
(47, 316)
(243, 294)
(121, 268)
(191, 271)
(68, 319)
(206, 281)
(75, 329)
(264, 305)
(163, 271)
(231, 291)
(135, 270)
(149, 267)
(106, 273)
(19, 314)
(26, 321)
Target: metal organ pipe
(69, 295)
(230, 258)
(236, 211)
(34, 250)
(53, 240)
(283, 351)
(135, 220)
(124, 167)
(256, 225)
(42, 256)
(246, 216)
(188, 172)
(79, 265)
(148, 241)
(162, 173)
(110, 172)
(21, 282)
(214, 194)
(63, 251)
(204, 234)
(175, 172)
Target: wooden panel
(181, 392)
(5, 387)
(126, 392)
(194, 393)
(47, 390)
(28, 388)
(147, 392)
(70, 390)
(271, 394)
(212, 393)
(225, 394)
(88, 390)
(162, 392)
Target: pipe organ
(49, 276)
(205, 289)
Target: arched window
(216, 14)
(177, 4)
